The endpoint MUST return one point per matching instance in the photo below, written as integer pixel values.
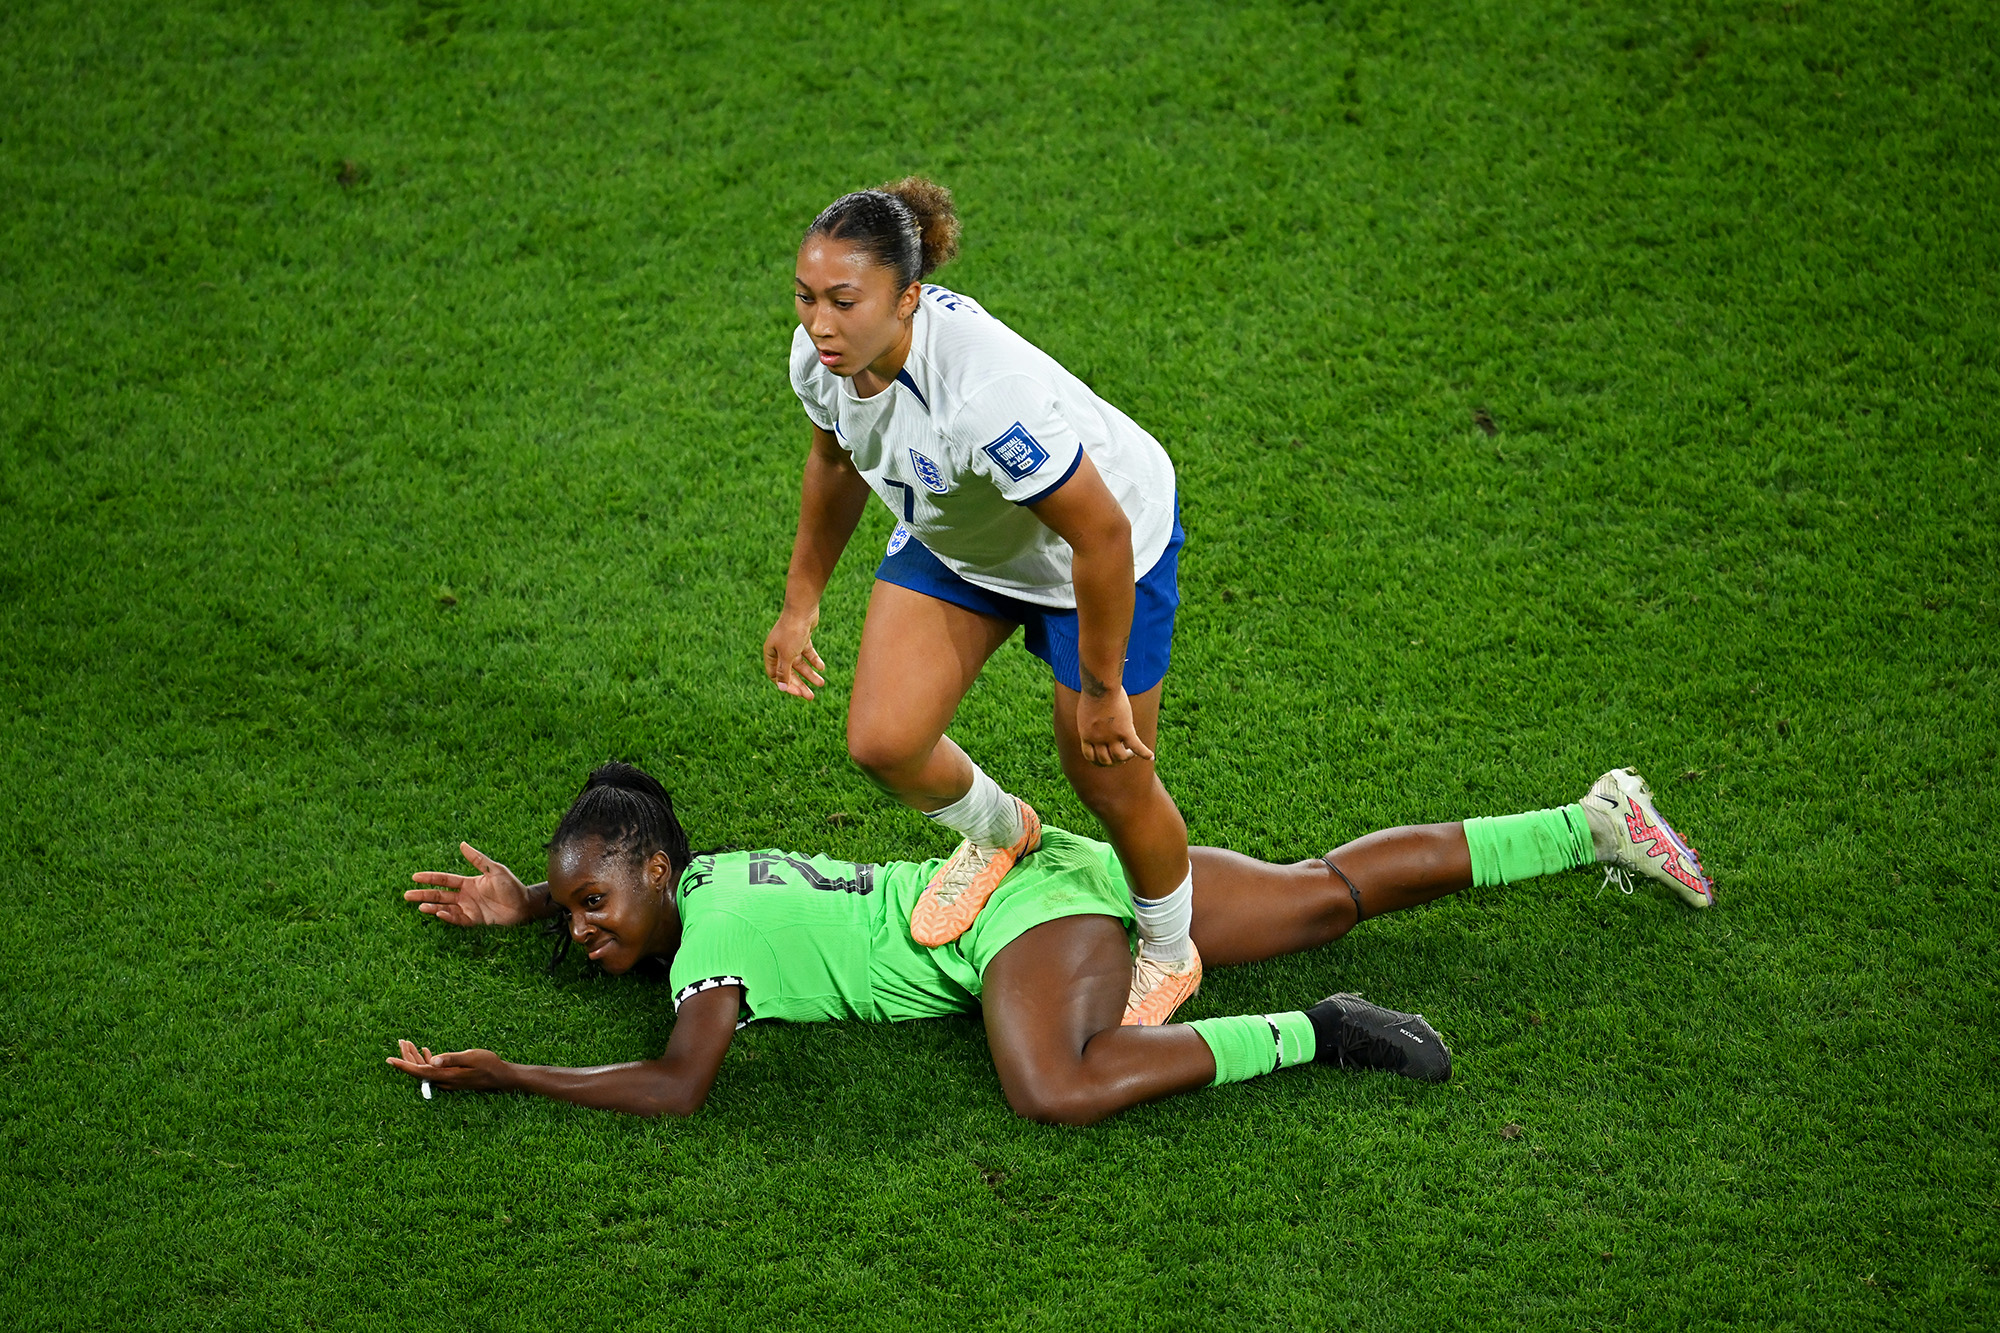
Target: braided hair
(631, 814)
(909, 227)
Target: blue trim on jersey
(903, 378)
(1051, 632)
(1057, 484)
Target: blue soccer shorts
(1051, 631)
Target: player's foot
(1349, 1031)
(1630, 837)
(961, 886)
(1160, 988)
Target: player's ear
(906, 304)
(659, 872)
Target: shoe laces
(973, 862)
(1618, 875)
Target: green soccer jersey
(811, 938)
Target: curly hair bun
(908, 226)
(937, 218)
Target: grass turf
(393, 423)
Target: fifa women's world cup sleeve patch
(1019, 440)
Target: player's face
(618, 912)
(850, 305)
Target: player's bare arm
(676, 1084)
(1084, 513)
(831, 499)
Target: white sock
(986, 814)
(1164, 922)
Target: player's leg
(919, 655)
(1246, 910)
(1144, 823)
(1146, 827)
(1054, 999)
(1141, 818)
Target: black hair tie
(1352, 892)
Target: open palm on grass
(494, 897)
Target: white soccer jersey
(979, 424)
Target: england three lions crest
(928, 474)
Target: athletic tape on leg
(1246, 1045)
(1164, 922)
(986, 814)
(1511, 848)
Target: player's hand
(493, 897)
(1104, 729)
(466, 1071)
(789, 658)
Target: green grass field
(394, 423)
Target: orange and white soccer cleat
(1629, 836)
(961, 886)
(1160, 988)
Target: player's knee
(1052, 1102)
(1101, 798)
(882, 755)
(1120, 804)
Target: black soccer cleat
(1349, 1031)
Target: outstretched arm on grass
(675, 1084)
(494, 897)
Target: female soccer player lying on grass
(768, 934)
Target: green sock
(1246, 1045)
(1517, 847)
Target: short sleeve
(722, 949)
(809, 380)
(1013, 432)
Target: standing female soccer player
(1022, 498)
